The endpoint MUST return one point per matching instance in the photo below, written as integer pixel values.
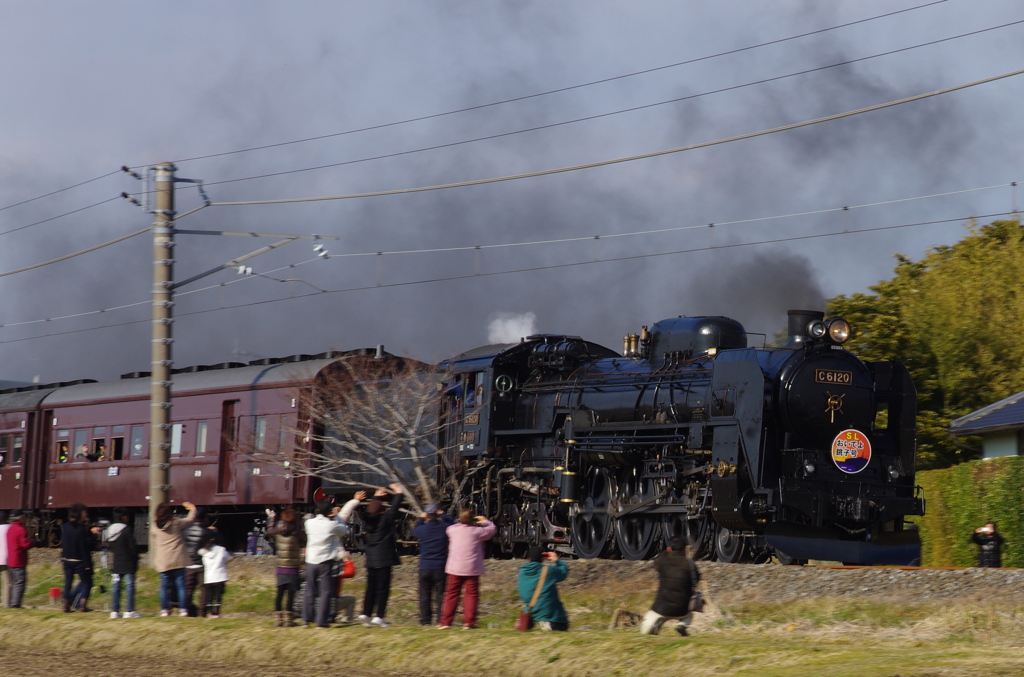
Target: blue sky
(89, 87)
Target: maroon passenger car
(88, 442)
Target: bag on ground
(524, 622)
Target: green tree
(954, 319)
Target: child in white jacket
(215, 576)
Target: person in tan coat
(170, 553)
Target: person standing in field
(430, 532)
(465, 566)
(170, 554)
(121, 545)
(381, 554)
(289, 541)
(18, 545)
(215, 576)
(77, 543)
(196, 535)
(5, 592)
(990, 544)
(323, 548)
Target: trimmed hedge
(962, 498)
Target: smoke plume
(510, 327)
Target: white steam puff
(510, 327)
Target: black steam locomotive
(801, 452)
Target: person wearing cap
(381, 554)
(430, 532)
(18, 545)
(677, 579)
(548, 611)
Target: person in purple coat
(465, 565)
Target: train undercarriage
(620, 513)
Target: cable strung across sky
(466, 276)
(524, 97)
(631, 158)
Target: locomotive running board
(804, 542)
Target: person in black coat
(990, 545)
(381, 554)
(77, 543)
(197, 535)
(123, 549)
(677, 578)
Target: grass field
(837, 637)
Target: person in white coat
(324, 534)
(215, 577)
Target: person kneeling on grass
(677, 579)
(548, 611)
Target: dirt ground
(27, 662)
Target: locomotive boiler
(801, 452)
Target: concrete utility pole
(160, 383)
(163, 304)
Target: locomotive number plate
(843, 378)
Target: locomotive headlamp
(816, 329)
(839, 330)
(894, 472)
(809, 468)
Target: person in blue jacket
(548, 612)
(430, 532)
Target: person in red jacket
(18, 545)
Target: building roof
(1006, 414)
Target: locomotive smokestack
(798, 321)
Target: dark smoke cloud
(244, 81)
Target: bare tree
(369, 422)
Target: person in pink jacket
(465, 566)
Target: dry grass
(838, 649)
(742, 633)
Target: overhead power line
(621, 111)
(632, 158)
(465, 276)
(483, 106)
(59, 190)
(564, 89)
(78, 253)
(60, 216)
(563, 240)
